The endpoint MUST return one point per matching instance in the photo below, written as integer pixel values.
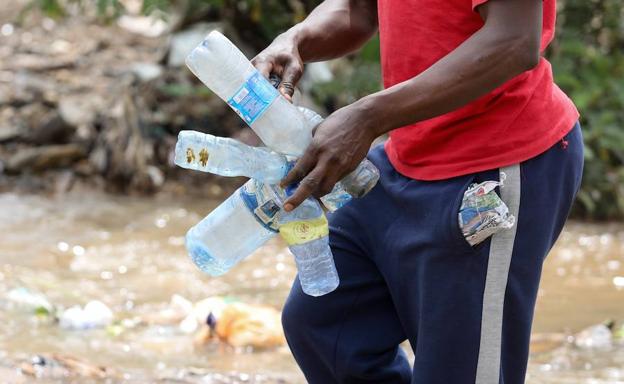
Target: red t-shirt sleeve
(476, 3)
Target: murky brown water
(129, 253)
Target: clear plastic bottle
(250, 217)
(306, 231)
(228, 157)
(356, 184)
(282, 126)
(235, 229)
(222, 67)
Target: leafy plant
(588, 62)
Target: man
(467, 98)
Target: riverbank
(95, 105)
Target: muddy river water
(129, 253)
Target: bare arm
(335, 28)
(507, 45)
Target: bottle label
(253, 98)
(301, 232)
(264, 208)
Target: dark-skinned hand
(339, 144)
(281, 58)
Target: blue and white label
(253, 98)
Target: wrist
(374, 115)
(293, 38)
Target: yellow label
(190, 155)
(203, 157)
(300, 232)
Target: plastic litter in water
(95, 314)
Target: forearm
(334, 29)
(479, 65)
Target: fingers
(314, 176)
(291, 75)
(263, 66)
(307, 187)
(302, 167)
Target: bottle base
(203, 259)
(317, 290)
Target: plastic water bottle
(228, 157)
(235, 229)
(231, 76)
(306, 231)
(356, 184)
(282, 126)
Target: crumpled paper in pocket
(483, 213)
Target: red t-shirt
(515, 122)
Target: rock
(28, 87)
(44, 157)
(44, 125)
(10, 132)
(84, 168)
(146, 71)
(79, 110)
(156, 176)
(148, 26)
(64, 182)
(182, 43)
(99, 159)
(37, 63)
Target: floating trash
(26, 299)
(94, 315)
(597, 336)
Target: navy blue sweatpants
(406, 272)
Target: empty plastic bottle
(229, 157)
(282, 126)
(251, 216)
(306, 231)
(229, 74)
(236, 228)
(356, 184)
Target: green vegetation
(587, 57)
(588, 61)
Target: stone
(78, 110)
(44, 125)
(148, 26)
(156, 176)
(146, 71)
(10, 132)
(44, 157)
(99, 159)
